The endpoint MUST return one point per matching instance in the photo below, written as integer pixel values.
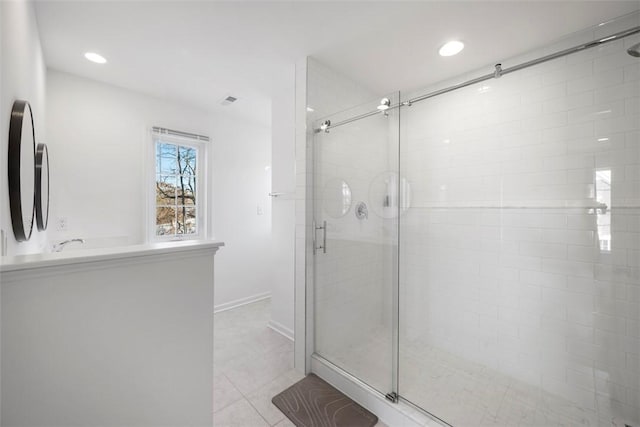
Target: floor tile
(251, 362)
(285, 423)
(224, 393)
(261, 398)
(239, 414)
(250, 373)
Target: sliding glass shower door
(485, 267)
(356, 229)
(519, 267)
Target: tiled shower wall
(505, 259)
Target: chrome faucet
(58, 247)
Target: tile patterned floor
(252, 363)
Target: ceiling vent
(229, 100)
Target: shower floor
(461, 392)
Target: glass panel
(186, 220)
(166, 158)
(165, 190)
(519, 269)
(355, 177)
(186, 189)
(187, 160)
(165, 220)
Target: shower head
(634, 50)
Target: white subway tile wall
(519, 288)
(519, 291)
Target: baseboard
(281, 329)
(240, 302)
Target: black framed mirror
(22, 173)
(42, 186)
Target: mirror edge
(14, 168)
(42, 157)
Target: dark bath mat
(312, 402)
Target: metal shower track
(497, 73)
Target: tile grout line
(235, 388)
(249, 401)
(245, 396)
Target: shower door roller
(324, 237)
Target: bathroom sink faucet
(58, 247)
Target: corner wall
(241, 184)
(283, 231)
(100, 154)
(100, 149)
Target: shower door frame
(311, 253)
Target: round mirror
(22, 154)
(387, 196)
(42, 186)
(336, 197)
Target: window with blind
(178, 201)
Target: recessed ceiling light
(94, 57)
(451, 48)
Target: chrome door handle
(324, 237)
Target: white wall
(99, 149)
(99, 137)
(23, 77)
(241, 183)
(110, 342)
(283, 215)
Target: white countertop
(26, 262)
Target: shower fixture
(362, 212)
(385, 103)
(634, 50)
(325, 125)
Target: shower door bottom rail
(399, 399)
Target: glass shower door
(520, 266)
(356, 229)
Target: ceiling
(198, 52)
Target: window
(178, 193)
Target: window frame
(201, 187)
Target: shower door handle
(324, 237)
